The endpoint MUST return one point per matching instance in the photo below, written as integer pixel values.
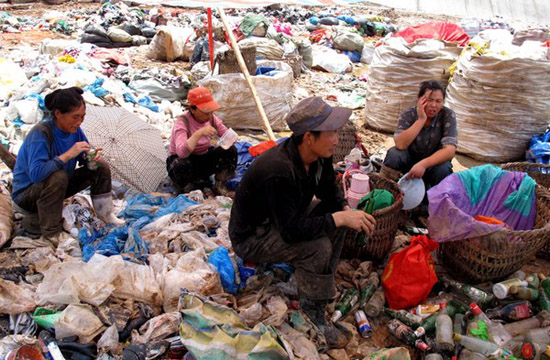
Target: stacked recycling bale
(395, 73)
(500, 94)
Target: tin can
(90, 159)
(363, 324)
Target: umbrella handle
(244, 69)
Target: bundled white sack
(395, 73)
(237, 107)
(500, 94)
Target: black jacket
(277, 189)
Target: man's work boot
(337, 337)
(389, 173)
(220, 188)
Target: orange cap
(202, 98)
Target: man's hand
(75, 150)
(417, 171)
(356, 220)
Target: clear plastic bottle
(523, 326)
(496, 331)
(476, 345)
(444, 329)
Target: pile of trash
(117, 25)
(63, 23)
(168, 285)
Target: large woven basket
(536, 172)
(387, 220)
(495, 256)
(229, 65)
(347, 137)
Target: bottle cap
(475, 308)
(528, 350)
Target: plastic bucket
(354, 198)
(360, 183)
(228, 139)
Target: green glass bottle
(405, 317)
(533, 281)
(429, 323)
(544, 301)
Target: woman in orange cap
(191, 157)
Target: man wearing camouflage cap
(272, 220)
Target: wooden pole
(244, 69)
(7, 157)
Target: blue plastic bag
(539, 149)
(354, 56)
(96, 88)
(222, 262)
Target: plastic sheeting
(213, 331)
(483, 190)
(444, 31)
(237, 106)
(395, 74)
(500, 101)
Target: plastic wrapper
(395, 74)
(108, 342)
(16, 299)
(237, 107)
(78, 320)
(138, 282)
(192, 273)
(72, 282)
(158, 328)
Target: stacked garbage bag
(401, 63)
(119, 26)
(476, 92)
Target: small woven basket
(497, 255)
(229, 64)
(379, 243)
(347, 137)
(536, 172)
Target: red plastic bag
(410, 274)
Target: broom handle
(244, 69)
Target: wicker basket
(347, 137)
(387, 220)
(495, 256)
(229, 65)
(535, 171)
